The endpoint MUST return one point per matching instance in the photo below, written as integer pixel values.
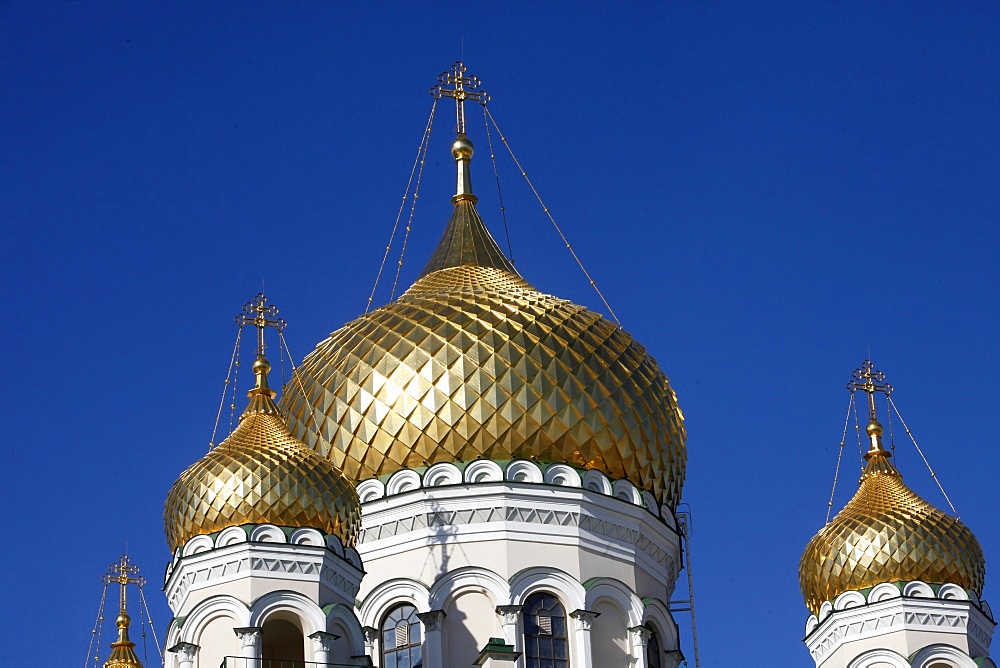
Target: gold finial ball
(261, 365)
(123, 620)
(874, 428)
(462, 148)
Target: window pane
(400, 634)
(545, 639)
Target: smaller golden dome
(261, 474)
(887, 533)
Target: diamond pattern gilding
(261, 474)
(473, 362)
(887, 533)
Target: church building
(483, 474)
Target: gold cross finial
(261, 315)
(869, 379)
(465, 88)
(124, 573)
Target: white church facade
(479, 473)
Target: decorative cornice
(897, 607)
(518, 471)
(604, 528)
(240, 560)
(261, 533)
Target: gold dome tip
(261, 366)
(462, 148)
(123, 620)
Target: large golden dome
(261, 474)
(473, 362)
(887, 533)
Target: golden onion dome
(261, 474)
(887, 533)
(473, 362)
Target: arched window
(653, 649)
(545, 641)
(282, 643)
(401, 638)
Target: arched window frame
(654, 655)
(401, 638)
(546, 631)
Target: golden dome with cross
(886, 532)
(261, 474)
(473, 362)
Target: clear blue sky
(764, 191)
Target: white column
(322, 643)
(185, 654)
(581, 635)
(250, 640)
(433, 653)
(510, 619)
(640, 637)
(371, 636)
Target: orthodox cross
(124, 573)
(464, 89)
(869, 379)
(261, 315)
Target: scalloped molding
(518, 471)
(904, 607)
(263, 550)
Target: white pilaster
(250, 643)
(433, 650)
(640, 637)
(510, 619)
(322, 644)
(581, 636)
(371, 636)
(186, 652)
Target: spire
(261, 315)
(465, 88)
(123, 650)
(466, 241)
(869, 380)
